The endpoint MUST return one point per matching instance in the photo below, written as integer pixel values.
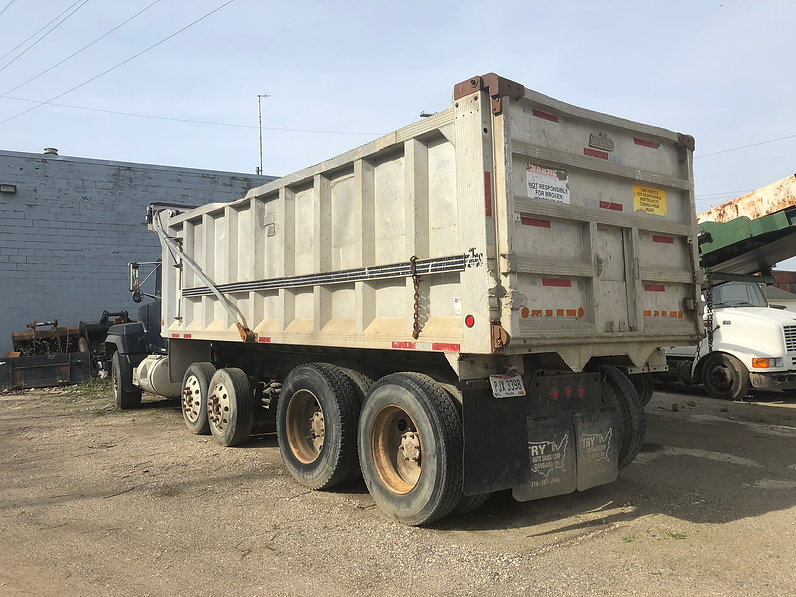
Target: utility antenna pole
(260, 97)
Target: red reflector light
(469, 321)
(554, 393)
(568, 392)
(581, 391)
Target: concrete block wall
(73, 224)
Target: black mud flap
(598, 449)
(551, 460)
(557, 439)
(569, 453)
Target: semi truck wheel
(230, 409)
(410, 448)
(316, 422)
(725, 377)
(645, 386)
(195, 384)
(125, 396)
(362, 386)
(622, 396)
(470, 503)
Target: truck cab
(753, 345)
(136, 351)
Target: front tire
(195, 384)
(230, 408)
(124, 395)
(316, 422)
(410, 448)
(725, 377)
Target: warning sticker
(652, 201)
(547, 184)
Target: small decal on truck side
(547, 184)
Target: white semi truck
(449, 310)
(748, 344)
(751, 345)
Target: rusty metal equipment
(46, 354)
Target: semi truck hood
(779, 316)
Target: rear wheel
(622, 396)
(470, 503)
(645, 385)
(195, 384)
(230, 408)
(125, 396)
(410, 448)
(316, 419)
(725, 377)
(362, 386)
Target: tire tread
(632, 414)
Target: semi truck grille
(790, 338)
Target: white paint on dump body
(323, 256)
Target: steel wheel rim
(192, 399)
(305, 426)
(393, 441)
(721, 378)
(218, 407)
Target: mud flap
(598, 449)
(552, 463)
(568, 453)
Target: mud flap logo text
(595, 446)
(548, 456)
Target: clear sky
(342, 73)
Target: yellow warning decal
(652, 201)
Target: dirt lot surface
(101, 502)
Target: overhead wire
(33, 45)
(7, 6)
(705, 155)
(23, 42)
(101, 37)
(190, 121)
(122, 63)
(737, 193)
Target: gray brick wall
(72, 226)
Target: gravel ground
(101, 502)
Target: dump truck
(749, 345)
(453, 309)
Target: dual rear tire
(316, 423)
(218, 403)
(410, 449)
(406, 437)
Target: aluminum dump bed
(509, 223)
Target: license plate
(507, 386)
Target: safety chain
(694, 281)
(709, 304)
(416, 282)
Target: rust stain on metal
(767, 200)
(497, 87)
(246, 334)
(500, 337)
(686, 140)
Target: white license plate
(507, 386)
